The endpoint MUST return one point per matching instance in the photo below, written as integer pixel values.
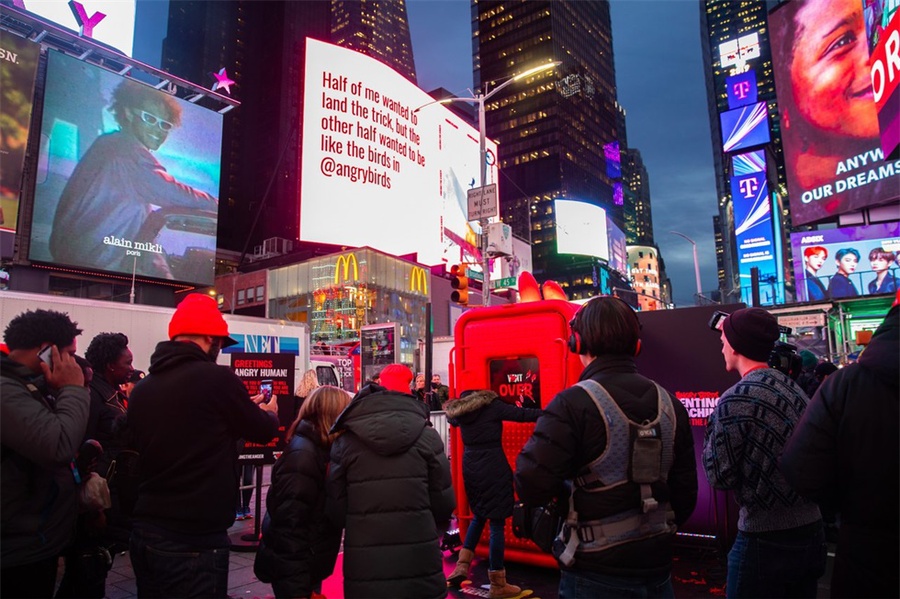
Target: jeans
(168, 568)
(497, 541)
(600, 586)
(763, 566)
(36, 579)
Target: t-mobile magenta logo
(748, 187)
(741, 89)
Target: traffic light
(459, 282)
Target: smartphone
(265, 387)
(717, 319)
(46, 355)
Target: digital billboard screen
(745, 127)
(846, 262)
(618, 250)
(741, 89)
(378, 172)
(834, 163)
(17, 72)
(581, 229)
(107, 21)
(127, 178)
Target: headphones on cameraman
(575, 345)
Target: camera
(785, 359)
(716, 320)
(265, 387)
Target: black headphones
(575, 345)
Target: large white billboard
(107, 21)
(378, 173)
(581, 229)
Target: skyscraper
(376, 28)
(552, 128)
(638, 214)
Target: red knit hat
(396, 377)
(198, 314)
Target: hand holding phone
(265, 387)
(60, 369)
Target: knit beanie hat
(751, 332)
(396, 377)
(808, 359)
(198, 314)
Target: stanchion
(251, 540)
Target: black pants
(29, 580)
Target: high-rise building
(375, 28)
(556, 130)
(734, 39)
(638, 215)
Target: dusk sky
(659, 74)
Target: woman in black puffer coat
(488, 479)
(299, 547)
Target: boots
(461, 571)
(499, 587)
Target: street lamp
(480, 98)
(696, 264)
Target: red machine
(520, 352)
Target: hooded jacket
(845, 454)
(486, 472)
(186, 418)
(389, 486)
(299, 547)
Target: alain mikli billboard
(378, 172)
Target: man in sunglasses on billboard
(116, 185)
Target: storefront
(337, 294)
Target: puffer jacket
(486, 472)
(37, 488)
(571, 434)
(299, 546)
(845, 454)
(389, 486)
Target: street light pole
(696, 265)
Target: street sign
(483, 202)
(504, 283)
(475, 275)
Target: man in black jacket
(845, 454)
(626, 517)
(186, 418)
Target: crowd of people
(94, 463)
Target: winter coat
(845, 454)
(185, 418)
(571, 434)
(37, 487)
(389, 486)
(486, 472)
(299, 546)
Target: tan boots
(461, 571)
(500, 589)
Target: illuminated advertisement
(127, 177)
(613, 160)
(829, 121)
(753, 227)
(741, 89)
(581, 229)
(846, 262)
(618, 250)
(883, 31)
(107, 21)
(745, 127)
(516, 380)
(378, 172)
(737, 51)
(18, 66)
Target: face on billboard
(829, 119)
(127, 177)
(377, 172)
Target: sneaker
(239, 514)
(246, 514)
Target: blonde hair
(322, 407)
(308, 382)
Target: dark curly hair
(607, 326)
(105, 349)
(32, 328)
(131, 94)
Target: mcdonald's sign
(418, 280)
(346, 261)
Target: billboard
(753, 230)
(745, 127)
(883, 31)
(18, 67)
(378, 172)
(107, 21)
(127, 177)
(618, 250)
(741, 89)
(868, 263)
(834, 163)
(737, 51)
(581, 229)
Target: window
(260, 294)
(241, 297)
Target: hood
(469, 404)
(883, 353)
(171, 354)
(386, 422)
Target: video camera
(784, 356)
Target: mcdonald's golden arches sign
(346, 260)
(418, 280)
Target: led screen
(17, 70)
(618, 251)
(613, 160)
(740, 50)
(869, 261)
(745, 127)
(834, 163)
(375, 171)
(581, 229)
(109, 21)
(127, 177)
(741, 89)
